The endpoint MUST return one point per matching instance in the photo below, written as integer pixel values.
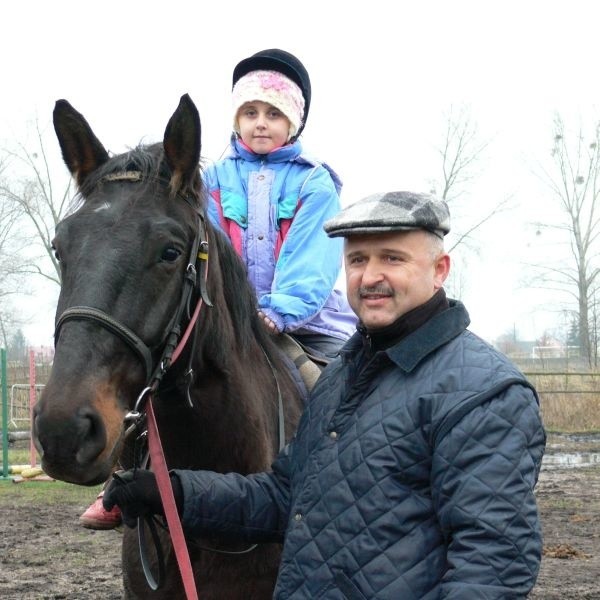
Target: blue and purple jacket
(272, 207)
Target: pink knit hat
(275, 89)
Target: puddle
(572, 450)
(580, 437)
(563, 460)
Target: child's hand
(270, 325)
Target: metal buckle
(133, 417)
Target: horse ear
(81, 149)
(182, 143)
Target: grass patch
(48, 492)
(569, 402)
(560, 503)
(21, 456)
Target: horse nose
(80, 437)
(92, 435)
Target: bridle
(173, 342)
(195, 276)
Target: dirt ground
(569, 503)
(45, 554)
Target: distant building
(515, 349)
(555, 351)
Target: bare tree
(575, 184)
(34, 198)
(462, 152)
(9, 215)
(10, 264)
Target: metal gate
(19, 405)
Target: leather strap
(153, 583)
(168, 500)
(89, 313)
(309, 371)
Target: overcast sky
(384, 75)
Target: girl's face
(262, 127)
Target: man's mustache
(380, 290)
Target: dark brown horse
(127, 254)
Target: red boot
(95, 517)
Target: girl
(271, 200)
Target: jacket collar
(283, 154)
(390, 335)
(412, 349)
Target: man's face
(388, 275)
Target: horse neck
(229, 330)
(234, 390)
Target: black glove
(136, 493)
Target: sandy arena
(45, 554)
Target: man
(412, 471)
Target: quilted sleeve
(252, 508)
(483, 474)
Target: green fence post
(4, 414)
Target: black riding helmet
(283, 62)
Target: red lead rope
(187, 332)
(163, 480)
(159, 466)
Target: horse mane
(235, 283)
(148, 159)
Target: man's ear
(442, 270)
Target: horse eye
(170, 254)
(56, 254)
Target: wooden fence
(569, 400)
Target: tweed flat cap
(391, 211)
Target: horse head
(124, 253)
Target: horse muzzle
(78, 446)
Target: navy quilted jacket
(409, 479)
